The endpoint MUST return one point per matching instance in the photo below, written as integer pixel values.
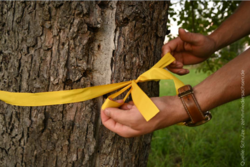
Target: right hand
(127, 121)
(188, 48)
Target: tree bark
(50, 46)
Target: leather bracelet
(192, 107)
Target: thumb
(188, 36)
(118, 115)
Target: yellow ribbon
(140, 99)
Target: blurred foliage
(204, 17)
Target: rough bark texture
(49, 46)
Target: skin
(189, 48)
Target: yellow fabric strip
(58, 97)
(143, 102)
(140, 99)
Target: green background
(216, 143)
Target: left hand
(127, 120)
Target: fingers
(127, 106)
(118, 128)
(177, 68)
(171, 46)
(179, 71)
(176, 65)
(119, 115)
(189, 37)
(183, 42)
(184, 49)
(119, 101)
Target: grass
(216, 143)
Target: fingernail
(119, 101)
(178, 64)
(106, 112)
(181, 71)
(181, 29)
(187, 71)
(129, 106)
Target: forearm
(225, 85)
(221, 87)
(234, 28)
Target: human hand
(188, 48)
(127, 120)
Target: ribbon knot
(146, 107)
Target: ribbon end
(110, 103)
(144, 104)
(149, 115)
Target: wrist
(203, 97)
(215, 38)
(173, 111)
(181, 113)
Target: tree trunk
(50, 46)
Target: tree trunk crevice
(50, 46)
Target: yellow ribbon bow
(146, 107)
